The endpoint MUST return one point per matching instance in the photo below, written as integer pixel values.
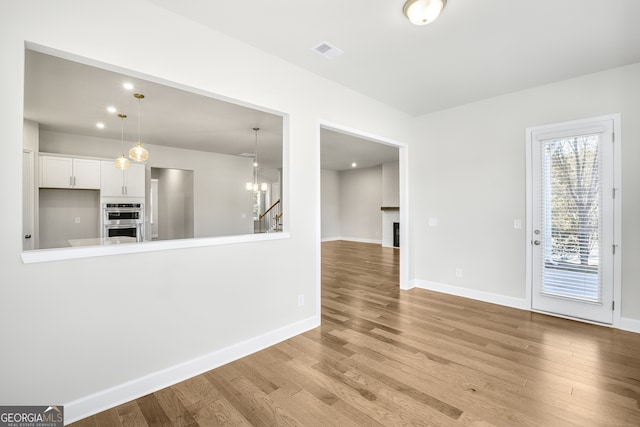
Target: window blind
(571, 200)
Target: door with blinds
(572, 210)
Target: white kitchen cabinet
(69, 172)
(118, 183)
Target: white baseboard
(520, 303)
(626, 324)
(122, 393)
(359, 240)
(352, 239)
(631, 325)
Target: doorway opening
(349, 160)
(171, 211)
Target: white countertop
(97, 241)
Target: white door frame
(617, 215)
(404, 195)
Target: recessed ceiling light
(354, 164)
(100, 125)
(111, 109)
(127, 86)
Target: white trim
(631, 325)
(318, 223)
(403, 155)
(528, 217)
(354, 239)
(577, 319)
(520, 303)
(360, 240)
(617, 219)
(404, 217)
(126, 392)
(44, 255)
(625, 324)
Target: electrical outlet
(433, 222)
(458, 272)
(300, 300)
(77, 220)
(517, 224)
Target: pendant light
(254, 186)
(423, 12)
(122, 162)
(138, 153)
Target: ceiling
(71, 97)
(475, 50)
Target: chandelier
(254, 186)
(138, 153)
(122, 162)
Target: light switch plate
(517, 224)
(433, 222)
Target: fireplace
(396, 234)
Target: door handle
(536, 242)
(27, 236)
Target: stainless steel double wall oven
(123, 220)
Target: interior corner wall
(360, 202)
(330, 205)
(72, 329)
(468, 173)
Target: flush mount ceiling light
(423, 12)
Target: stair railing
(270, 220)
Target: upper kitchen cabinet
(118, 183)
(69, 172)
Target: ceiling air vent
(327, 50)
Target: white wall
(351, 202)
(330, 204)
(391, 184)
(468, 171)
(69, 329)
(31, 137)
(360, 202)
(57, 213)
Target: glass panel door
(573, 223)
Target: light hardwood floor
(386, 357)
